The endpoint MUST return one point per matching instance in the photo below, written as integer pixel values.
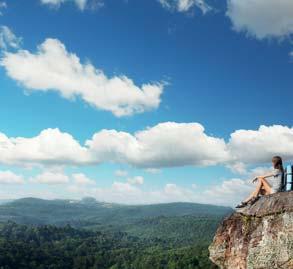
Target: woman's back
(276, 180)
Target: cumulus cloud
(238, 168)
(118, 192)
(3, 5)
(8, 39)
(262, 18)
(229, 192)
(82, 179)
(8, 177)
(124, 192)
(81, 4)
(164, 145)
(259, 146)
(167, 144)
(137, 180)
(53, 68)
(259, 171)
(50, 178)
(185, 5)
(51, 147)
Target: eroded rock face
(257, 237)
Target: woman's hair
(278, 163)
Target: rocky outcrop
(257, 237)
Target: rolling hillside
(90, 234)
(88, 211)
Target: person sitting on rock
(268, 184)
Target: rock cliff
(258, 236)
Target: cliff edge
(258, 236)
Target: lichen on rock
(258, 236)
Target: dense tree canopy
(42, 247)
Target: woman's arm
(265, 176)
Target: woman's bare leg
(262, 185)
(266, 186)
(255, 192)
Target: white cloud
(259, 171)
(124, 192)
(51, 147)
(259, 146)
(262, 18)
(185, 5)
(8, 39)
(81, 4)
(50, 178)
(8, 177)
(121, 173)
(119, 192)
(3, 5)
(229, 192)
(161, 146)
(164, 145)
(81, 179)
(238, 168)
(53, 68)
(137, 180)
(249, 171)
(167, 144)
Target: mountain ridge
(77, 213)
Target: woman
(268, 184)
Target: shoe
(243, 204)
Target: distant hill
(2, 201)
(174, 235)
(179, 223)
(87, 212)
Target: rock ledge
(257, 237)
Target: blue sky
(210, 71)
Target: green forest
(112, 236)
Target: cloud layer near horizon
(53, 68)
(127, 191)
(167, 144)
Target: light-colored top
(275, 181)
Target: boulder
(259, 236)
